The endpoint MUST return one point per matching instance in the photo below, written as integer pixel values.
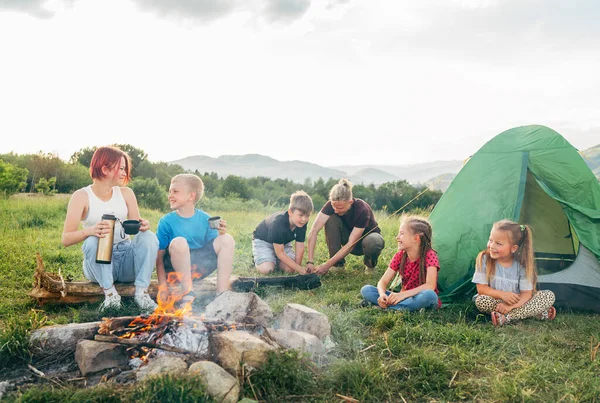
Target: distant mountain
(376, 176)
(415, 173)
(592, 159)
(440, 182)
(437, 174)
(250, 165)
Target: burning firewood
(141, 343)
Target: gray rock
(219, 383)
(240, 307)
(161, 365)
(4, 386)
(93, 356)
(303, 342)
(231, 348)
(304, 319)
(50, 339)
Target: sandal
(550, 314)
(498, 319)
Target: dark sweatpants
(337, 234)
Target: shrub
(149, 193)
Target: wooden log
(140, 343)
(300, 281)
(50, 288)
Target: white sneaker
(111, 301)
(145, 302)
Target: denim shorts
(263, 251)
(203, 260)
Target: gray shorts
(263, 251)
(203, 261)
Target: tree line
(47, 173)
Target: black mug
(131, 227)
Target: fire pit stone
(240, 307)
(219, 383)
(304, 319)
(232, 347)
(301, 341)
(161, 365)
(50, 339)
(92, 356)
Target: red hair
(109, 156)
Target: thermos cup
(105, 245)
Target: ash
(188, 338)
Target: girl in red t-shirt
(417, 266)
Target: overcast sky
(334, 82)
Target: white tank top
(96, 208)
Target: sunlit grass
(449, 355)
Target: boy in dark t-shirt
(272, 238)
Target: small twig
(42, 375)
(403, 399)
(452, 380)
(251, 386)
(347, 398)
(367, 348)
(385, 337)
(595, 351)
(83, 378)
(36, 371)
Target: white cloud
(341, 83)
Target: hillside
(251, 165)
(437, 173)
(592, 159)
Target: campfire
(171, 329)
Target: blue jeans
(132, 261)
(424, 299)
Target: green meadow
(453, 354)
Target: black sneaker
(370, 262)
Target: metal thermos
(105, 245)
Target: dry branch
(141, 343)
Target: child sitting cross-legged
(506, 276)
(187, 245)
(416, 264)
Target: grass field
(450, 355)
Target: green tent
(531, 175)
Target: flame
(166, 311)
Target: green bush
(12, 178)
(149, 193)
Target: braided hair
(418, 226)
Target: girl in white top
(506, 277)
(132, 261)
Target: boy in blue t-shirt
(272, 238)
(187, 245)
